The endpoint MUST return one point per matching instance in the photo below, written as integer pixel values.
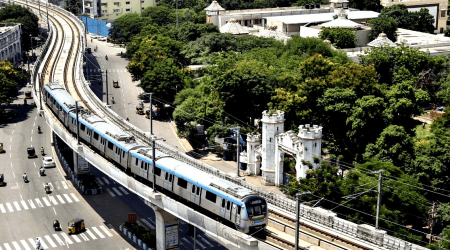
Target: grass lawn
(422, 134)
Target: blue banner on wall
(95, 26)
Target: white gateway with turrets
(265, 154)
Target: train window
(170, 178)
(250, 211)
(110, 145)
(136, 162)
(167, 175)
(95, 136)
(198, 191)
(157, 171)
(263, 208)
(228, 205)
(193, 189)
(211, 197)
(142, 165)
(182, 183)
(60, 108)
(257, 210)
(239, 210)
(223, 202)
(82, 127)
(146, 166)
(123, 154)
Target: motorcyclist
(42, 170)
(42, 150)
(46, 187)
(39, 128)
(56, 223)
(112, 99)
(106, 57)
(128, 119)
(25, 177)
(38, 243)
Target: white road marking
(7, 246)
(58, 240)
(39, 202)
(98, 180)
(110, 192)
(75, 197)
(60, 199)
(91, 234)
(16, 204)
(11, 164)
(52, 199)
(31, 204)
(50, 241)
(106, 180)
(9, 207)
(13, 132)
(67, 198)
(123, 190)
(76, 238)
(85, 238)
(34, 164)
(54, 211)
(57, 186)
(46, 201)
(24, 243)
(66, 237)
(32, 242)
(98, 232)
(147, 223)
(24, 204)
(10, 140)
(2, 208)
(64, 185)
(31, 138)
(106, 231)
(117, 191)
(16, 245)
(10, 155)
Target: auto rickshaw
(1, 148)
(2, 180)
(31, 152)
(140, 109)
(115, 84)
(147, 114)
(75, 226)
(28, 94)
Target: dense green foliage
(10, 79)
(339, 37)
(19, 14)
(419, 21)
(383, 24)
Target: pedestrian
(423, 125)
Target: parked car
(101, 38)
(48, 162)
(94, 36)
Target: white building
(11, 42)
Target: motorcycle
(112, 100)
(25, 178)
(47, 189)
(42, 171)
(39, 129)
(42, 152)
(38, 245)
(106, 57)
(56, 225)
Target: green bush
(339, 37)
(447, 32)
(146, 236)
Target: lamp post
(32, 51)
(238, 146)
(39, 90)
(298, 195)
(154, 139)
(151, 113)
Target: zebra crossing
(47, 201)
(111, 187)
(59, 239)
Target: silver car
(48, 162)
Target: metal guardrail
(341, 225)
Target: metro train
(223, 199)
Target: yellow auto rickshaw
(31, 152)
(75, 226)
(147, 114)
(140, 109)
(28, 94)
(115, 84)
(2, 180)
(1, 148)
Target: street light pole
(39, 90)
(32, 51)
(154, 139)
(238, 148)
(151, 115)
(78, 126)
(380, 183)
(106, 80)
(298, 217)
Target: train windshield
(256, 206)
(256, 210)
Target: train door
(102, 144)
(88, 134)
(195, 194)
(144, 169)
(234, 214)
(225, 209)
(74, 122)
(168, 178)
(117, 154)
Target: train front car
(257, 214)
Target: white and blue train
(221, 198)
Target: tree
(421, 21)
(189, 31)
(198, 51)
(125, 27)
(22, 15)
(383, 24)
(447, 32)
(10, 78)
(373, 5)
(341, 38)
(160, 15)
(399, 12)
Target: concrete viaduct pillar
(166, 228)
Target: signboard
(83, 165)
(132, 218)
(172, 237)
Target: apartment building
(109, 10)
(437, 8)
(11, 42)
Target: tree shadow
(14, 113)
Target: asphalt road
(26, 211)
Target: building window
(142, 1)
(443, 13)
(116, 11)
(127, 10)
(104, 11)
(104, 4)
(142, 8)
(117, 3)
(127, 2)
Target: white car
(101, 38)
(94, 36)
(48, 162)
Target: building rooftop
(324, 17)
(234, 28)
